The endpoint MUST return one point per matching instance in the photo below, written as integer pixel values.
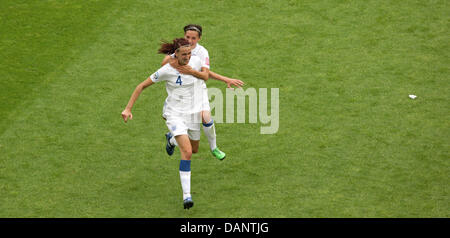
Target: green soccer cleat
(218, 154)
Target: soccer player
(183, 75)
(193, 34)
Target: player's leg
(195, 144)
(179, 130)
(184, 144)
(188, 145)
(185, 169)
(194, 136)
(210, 132)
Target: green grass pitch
(351, 143)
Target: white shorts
(184, 125)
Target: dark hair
(170, 48)
(193, 27)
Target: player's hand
(127, 114)
(234, 82)
(185, 69)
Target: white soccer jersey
(184, 95)
(202, 53)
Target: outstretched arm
(229, 81)
(126, 113)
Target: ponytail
(169, 48)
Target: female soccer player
(183, 75)
(193, 34)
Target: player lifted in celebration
(182, 107)
(193, 34)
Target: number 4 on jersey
(179, 80)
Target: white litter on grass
(412, 96)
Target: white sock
(173, 141)
(185, 177)
(210, 132)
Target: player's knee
(194, 150)
(187, 154)
(206, 117)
